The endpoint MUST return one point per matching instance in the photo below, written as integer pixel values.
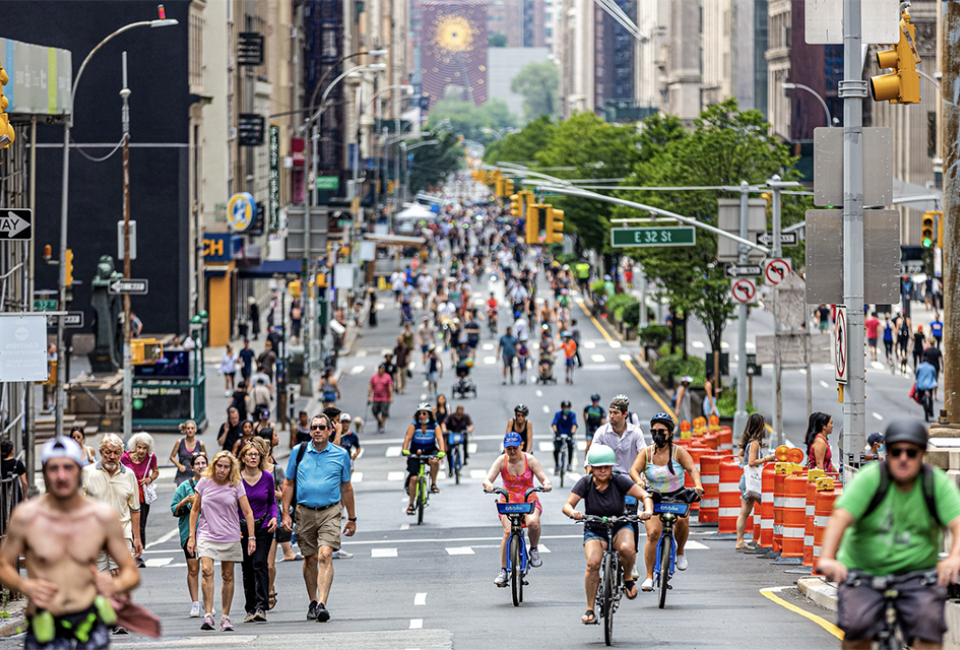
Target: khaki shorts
(316, 528)
(106, 563)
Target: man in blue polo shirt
(318, 481)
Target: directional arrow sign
(743, 290)
(71, 319)
(786, 238)
(840, 346)
(776, 270)
(16, 225)
(138, 287)
(743, 270)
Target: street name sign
(16, 225)
(743, 290)
(44, 304)
(786, 238)
(743, 270)
(840, 351)
(137, 287)
(656, 237)
(776, 270)
(72, 319)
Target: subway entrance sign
(634, 237)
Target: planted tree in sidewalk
(522, 147)
(432, 163)
(725, 146)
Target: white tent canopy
(416, 211)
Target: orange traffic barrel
(822, 512)
(726, 438)
(766, 506)
(710, 477)
(808, 526)
(794, 515)
(697, 452)
(729, 506)
(781, 470)
(712, 440)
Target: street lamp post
(788, 85)
(65, 187)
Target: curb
(822, 593)
(17, 623)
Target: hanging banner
(274, 197)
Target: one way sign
(138, 287)
(16, 225)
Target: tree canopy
(469, 120)
(539, 85)
(432, 163)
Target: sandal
(273, 600)
(411, 510)
(589, 617)
(627, 585)
(434, 489)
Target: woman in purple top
(259, 486)
(143, 462)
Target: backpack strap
(926, 482)
(929, 494)
(881, 492)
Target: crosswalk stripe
(356, 477)
(589, 345)
(478, 474)
(356, 370)
(394, 452)
(697, 344)
(599, 358)
(615, 344)
(158, 561)
(543, 549)
(395, 476)
(489, 360)
(486, 346)
(383, 552)
(696, 546)
(459, 550)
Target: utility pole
(127, 366)
(950, 20)
(740, 417)
(853, 89)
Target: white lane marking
(544, 446)
(383, 552)
(472, 448)
(356, 370)
(697, 344)
(459, 550)
(573, 475)
(598, 358)
(489, 360)
(486, 346)
(158, 561)
(420, 599)
(404, 526)
(877, 365)
(546, 409)
(423, 396)
(724, 345)
(543, 549)
(165, 538)
(441, 476)
(803, 371)
(356, 477)
(380, 306)
(877, 415)
(394, 452)
(625, 357)
(416, 623)
(696, 546)
(824, 384)
(582, 445)
(478, 473)
(615, 344)
(396, 476)
(360, 353)
(589, 345)
(539, 393)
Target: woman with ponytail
(819, 455)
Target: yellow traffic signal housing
(536, 221)
(145, 351)
(554, 225)
(507, 186)
(68, 269)
(294, 288)
(516, 206)
(7, 135)
(940, 230)
(903, 85)
(928, 229)
(498, 187)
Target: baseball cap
(512, 439)
(62, 447)
(875, 438)
(345, 417)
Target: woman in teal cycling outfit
(660, 466)
(425, 436)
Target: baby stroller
(464, 383)
(545, 369)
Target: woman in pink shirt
(219, 494)
(143, 462)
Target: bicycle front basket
(516, 508)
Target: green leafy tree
(539, 85)
(433, 163)
(724, 147)
(523, 146)
(469, 120)
(496, 39)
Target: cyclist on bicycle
(594, 417)
(661, 466)
(520, 425)
(604, 493)
(459, 422)
(492, 308)
(889, 521)
(516, 470)
(425, 437)
(564, 424)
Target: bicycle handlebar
(927, 577)
(609, 522)
(526, 495)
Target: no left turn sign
(776, 270)
(744, 290)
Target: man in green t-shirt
(897, 536)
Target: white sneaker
(636, 573)
(342, 555)
(647, 585)
(682, 563)
(195, 610)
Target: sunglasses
(318, 427)
(667, 431)
(911, 452)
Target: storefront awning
(267, 269)
(394, 240)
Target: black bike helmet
(662, 418)
(521, 408)
(595, 397)
(912, 431)
(565, 404)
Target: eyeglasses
(911, 452)
(318, 427)
(667, 431)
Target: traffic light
(7, 135)
(68, 269)
(507, 186)
(516, 206)
(903, 85)
(928, 229)
(536, 221)
(940, 230)
(554, 225)
(294, 288)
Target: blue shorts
(589, 534)
(424, 348)
(570, 362)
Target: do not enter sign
(743, 290)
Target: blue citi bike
(518, 561)
(669, 512)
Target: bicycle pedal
(525, 583)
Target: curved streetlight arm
(316, 89)
(935, 83)
(789, 84)
(383, 90)
(331, 86)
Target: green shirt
(583, 270)
(184, 490)
(899, 536)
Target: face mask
(659, 439)
(880, 447)
(566, 411)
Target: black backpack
(926, 482)
(296, 466)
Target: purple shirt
(218, 505)
(262, 499)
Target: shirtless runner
(60, 534)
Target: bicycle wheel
(421, 498)
(456, 462)
(563, 464)
(610, 572)
(666, 558)
(516, 576)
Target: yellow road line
(822, 622)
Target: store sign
(298, 152)
(273, 204)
